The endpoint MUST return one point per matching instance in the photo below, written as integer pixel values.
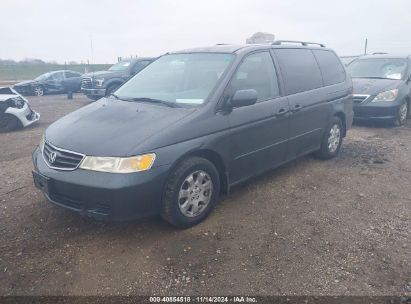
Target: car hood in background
(372, 86)
(112, 127)
(102, 74)
(25, 83)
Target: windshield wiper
(153, 100)
(114, 95)
(374, 77)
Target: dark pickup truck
(99, 84)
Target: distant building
(260, 37)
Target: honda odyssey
(193, 124)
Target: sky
(62, 30)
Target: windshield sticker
(126, 64)
(394, 76)
(190, 100)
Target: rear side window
(138, 66)
(331, 67)
(300, 70)
(257, 72)
(72, 75)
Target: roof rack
(304, 43)
(379, 53)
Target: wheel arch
(215, 158)
(114, 82)
(341, 116)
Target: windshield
(43, 76)
(121, 66)
(378, 68)
(177, 78)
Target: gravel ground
(338, 227)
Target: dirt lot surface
(308, 228)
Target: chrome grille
(61, 159)
(86, 83)
(358, 98)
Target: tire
(332, 139)
(8, 123)
(38, 91)
(181, 196)
(111, 89)
(402, 114)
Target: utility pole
(366, 45)
(92, 51)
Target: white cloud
(61, 30)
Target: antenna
(91, 48)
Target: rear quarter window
(299, 69)
(331, 67)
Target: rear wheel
(402, 114)
(191, 192)
(8, 123)
(38, 91)
(332, 139)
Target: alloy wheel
(403, 112)
(334, 138)
(195, 193)
(38, 91)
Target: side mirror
(243, 98)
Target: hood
(102, 74)
(7, 93)
(112, 127)
(371, 86)
(25, 83)
(4, 97)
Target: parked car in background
(15, 110)
(382, 87)
(346, 60)
(102, 83)
(191, 125)
(51, 82)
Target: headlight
(119, 164)
(99, 82)
(390, 95)
(41, 144)
(16, 102)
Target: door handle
(297, 107)
(281, 112)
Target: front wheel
(191, 192)
(8, 123)
(93, 97)
(38, 91)
(401, 115)
(112, 89)
(332, 139)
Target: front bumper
(106, 196)
(94, 92)
(26, 115)
(376, 111)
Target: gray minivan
(193, 124)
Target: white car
(15, 110)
